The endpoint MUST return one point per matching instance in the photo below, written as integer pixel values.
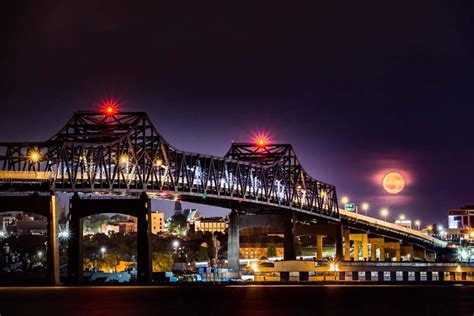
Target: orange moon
(393, 182)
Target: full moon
(393, 182)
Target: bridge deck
(391, 226)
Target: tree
(119, 218)
(162, 262)
(177, 224)
(109, 262)
(87, 264)
(271, 250)
(202, 254)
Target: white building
(210, 224)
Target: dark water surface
(443, 300)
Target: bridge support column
(289, 239)
(373, 253)
(376, 243)
(398, 257)
(356, 250)
(382, 253)
(319, 246)
(75, 261)
(53, 251)
(233, 243)
(393, 246)
(144, 260)
(407, 251)
(420, 254)
(365, 247)
(360, 239)
(339, 242)
(347, 245)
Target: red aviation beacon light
(261, 140)
(109, 107)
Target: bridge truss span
(123, 152)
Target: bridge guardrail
(26, 175)
(387, 225)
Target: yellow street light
(333, 267)
(402, 217)
(254, 267)
(345, 200)
(384, 213)
(158, 162)
(417, 224)
(34, 156)
(365, 206)
(123, 159)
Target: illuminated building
(210, 224)
(128, 227)
(31, 226)
(7, 220)
(249, 250)
(461, 218)
(109, 228)
(157, 222)
(20, 223)
(192, 215)
(461, 225)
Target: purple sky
(356, 90)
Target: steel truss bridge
(123, 152)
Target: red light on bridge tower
(261, 140)
(109, 107)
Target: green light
(203, 196)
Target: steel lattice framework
(96, 152)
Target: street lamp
(124, 159)
(345, 200)
(102, 251)
(40, 254)
(64, 234)
(158, 162)
(402, 217)
(417, 224)
(175, 245)
(430, 228)
(384, 213)
(365, 207)
(34, 156)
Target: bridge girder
(124, 152)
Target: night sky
(358, 90)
